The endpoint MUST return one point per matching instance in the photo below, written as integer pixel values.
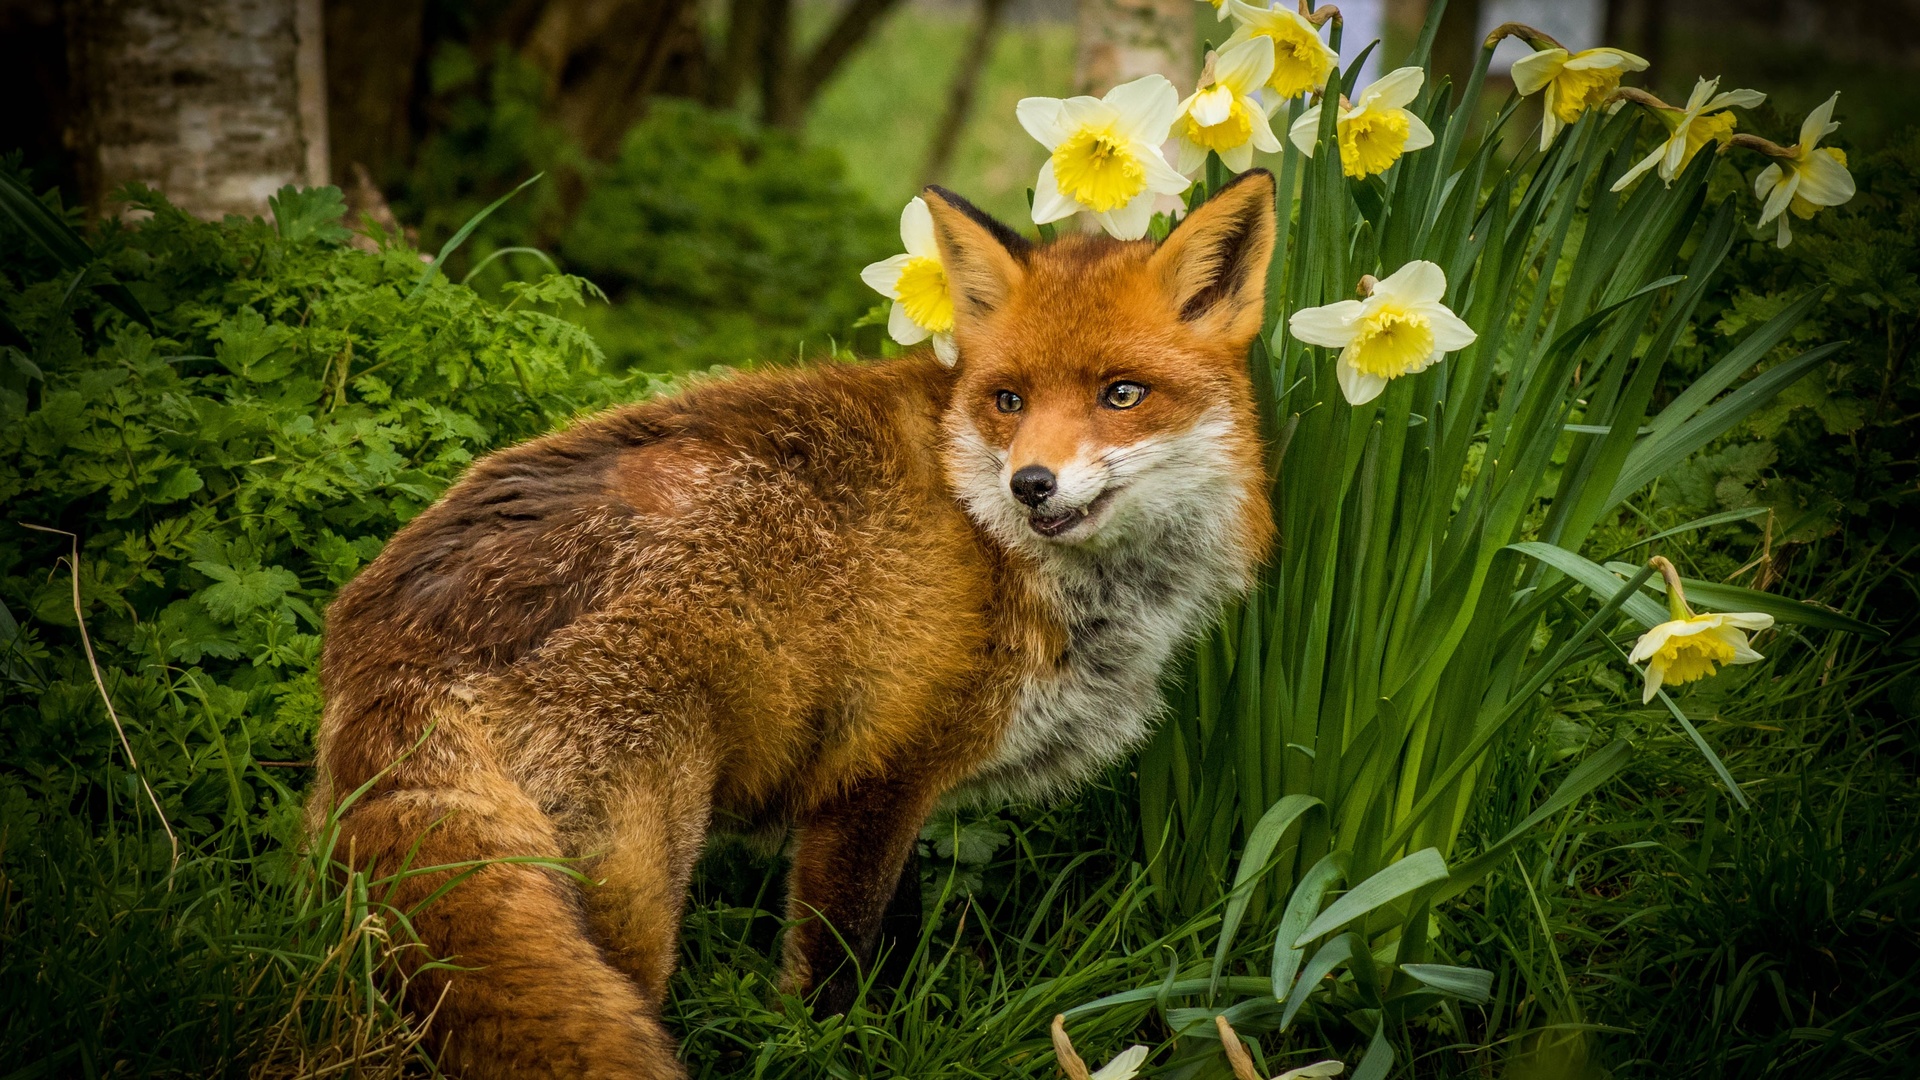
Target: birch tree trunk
(202, 99)
(1121, 40)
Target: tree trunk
(602, 58)
(1122, 40)
(198, 98)
(966, 81)
(1457, 42)
(373, 62)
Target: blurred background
(723, 167)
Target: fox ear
(985, 260)
(1214, 265)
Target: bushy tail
(523, 990)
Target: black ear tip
(1257, 176)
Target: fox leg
(533, 996)
(848, 859)
(655, 826)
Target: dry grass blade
(86, 643)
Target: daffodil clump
(1376, 129)
(1400, 328)
(1705, 119)
(916, 282)
(1104, 154)
(1222, 116)
(1575, 83)
(1301, 61)
(1805, 176)
(1690, 647)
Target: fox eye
(1123, 395)
(1008, 401)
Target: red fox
(818, 600)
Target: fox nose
(1032, 484)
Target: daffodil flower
(1806, 176)
(1222, 115)
(1219, 9)
(1704, 120)
(917, 283)
(1574, 82)
(1105, 154)
(1374, 131)
(1688, 646)
(1301, 61)
(1401, 328)
(1124, 1066)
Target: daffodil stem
(1539, 39)
(1765, 146)
(1676, 594)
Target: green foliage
(225, 471)
(720, 242)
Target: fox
(812, 602)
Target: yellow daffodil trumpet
(917, 284)
(1222, 115)
(1705, 119)
(1573, 83)
(1301, 61)
(1105, 154)
(1689, 647)
(1400, 328)
(1803, 177)
(1376, 129)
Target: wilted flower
(1805, 176)
(917, 282)
(1574, 82)
(1688, 646)
(1123, 1066)
(1401, 328)
(1242, 1062)
(1106, 154)
(1374, 131)
(1704, 120)
(1301, 61)
(1222, 115)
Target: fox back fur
(819, 600)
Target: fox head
(1102, 393)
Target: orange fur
(788, 600)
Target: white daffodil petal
(1748, 620)
(1745, 99)
(1416, 282)
(1049, 202)
(1780, 196)
(1091, 112)
(1549, 126)
(1656, 674)
(1358, 386)
(1245, 67)
(1393, 90)
(1191, 155)
(1639, 168)
(1305, 130)
(1210, 107)
(1450, 332)
(1162, 178)
(903, 329)
(1129, 222)
(1263, 137)
(1652, 641)
(1045, 119)
(1330, 325)
(1702, 90)
(1824, 181)
(1604, 58)
(1238, 158)
(1316, 1071)
(1818, 123)
(883, 277)
(1419, 135)
(1532, 73)
(1123, 1066)
(916, 229)
(945, 349)
(1146, 108)
(1785, 235)
(1764, 183)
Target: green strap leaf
(1717, 597)
(1329, 956)
(1254, 862)
(1302, 906)
(1415, 871)
(1467, 983)
(1585, 778)
(1598, 579)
